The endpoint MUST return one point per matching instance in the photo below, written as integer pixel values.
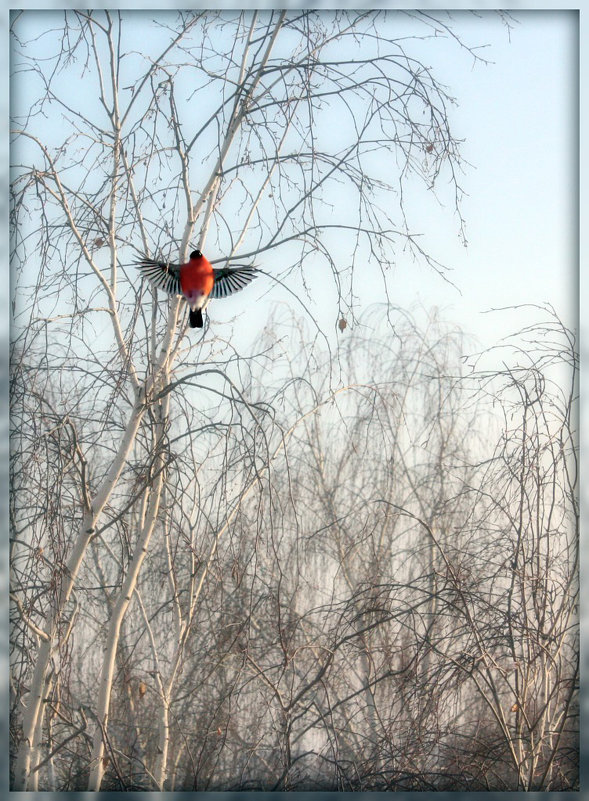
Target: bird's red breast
(197, 277)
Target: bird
(197, 280)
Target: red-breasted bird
(197, 280)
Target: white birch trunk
(161, 763)
(36, 754)
(120, 608)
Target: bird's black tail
(196, 318)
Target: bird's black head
(196, 254)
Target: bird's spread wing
(231, 279)
(162, 275)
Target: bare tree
(528, 664)
(437, 658)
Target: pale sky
(520, 121)
(518, 117)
